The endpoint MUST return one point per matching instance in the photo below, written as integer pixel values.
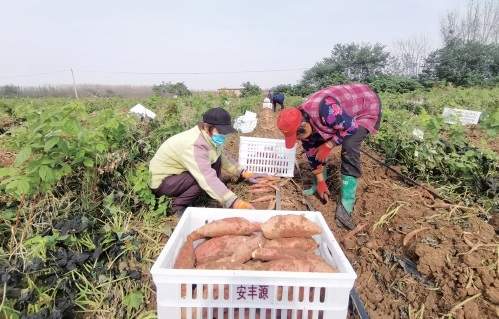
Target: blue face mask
(218, 139)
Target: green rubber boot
(311, 191)
(345, 205)
(348, 191)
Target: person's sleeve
(230, 166)
(341, 134)
(310, 152)
(198, 164)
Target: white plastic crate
(309, 295)
(267, 156)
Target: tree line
(469, 56)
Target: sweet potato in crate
(254, 293)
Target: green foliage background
(80, 229)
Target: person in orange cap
(338, 115)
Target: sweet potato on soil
(261, 190)
(262, 184)
(307, 244)
(185, 258)
(271, 178)
(265, 198)
(284, 226)
(218, 247)
(226, 226)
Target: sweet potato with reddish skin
(261, 190)
(185, 258)
(299, 265)
(320, 265)
(285, 226)
(314, 264)
(307, 244)
(243, 252)
(271, 178)
(218, 247)
(226, 226)
(265, 198)
(222, 265)
(267, 254)
(254, 264)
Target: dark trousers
(274, 104)
(183, 188)
(350, 153)
(350, 150)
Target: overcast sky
(112, 42)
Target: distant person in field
(338, 115)
(276, 98)
(191, 162)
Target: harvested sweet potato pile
(282, 243)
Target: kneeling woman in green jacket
(191, 162)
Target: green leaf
(70, 126)
(100, 147)
(66, 169)
(38, 245)
(23, 155)
(8, 215)
(80, 154)
(134, 300)
(88, 162)
(51, 143)
(46, 161)
(7, 171)
(46, 173)
(18, 187)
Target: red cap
(288, 122)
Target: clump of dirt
(6, 158)
(6, 122)
(454, 259)
(479, 137)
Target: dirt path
(479, 138)
(450, 260)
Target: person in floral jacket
(338, 115)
